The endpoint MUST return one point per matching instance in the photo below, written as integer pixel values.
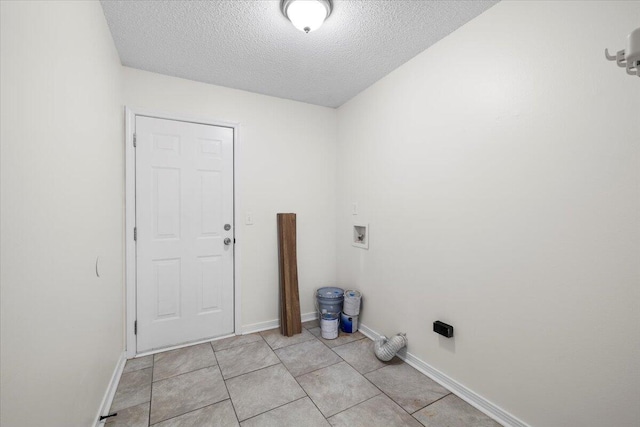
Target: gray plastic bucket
(329, 300)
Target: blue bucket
(348, 323)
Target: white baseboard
(309, 316)
(469, 396)
(260, 326)
(273, 324)
(107, 399)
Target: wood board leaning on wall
(290, 321)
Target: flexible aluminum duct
(386, 348)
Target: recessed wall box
(443, 329)
(360, 238)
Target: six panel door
(184, 199)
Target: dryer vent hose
(386, 348)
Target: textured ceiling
(250, 45)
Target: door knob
(227, 241)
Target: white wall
(499, 171)
(287, 161)
(62, 206)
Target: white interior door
(184, 214)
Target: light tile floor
(265, 379)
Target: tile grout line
(381, 392)
(188, 412)
(175, 376)
(225, 386)
(141, 403)
(333, 364)
(230, 400)
(378, 388)
(193, 410)
(249, 372)
(402, 362)
(363, 375)
(318, 337)
(371, 382)
(324, 343)
(127, 407)
(153, 367)
(288, 345)
(274, 408)
(350, 407)
(377, 369)
(316, 370)
(185, 373)
(391, 398)
(139, 369)
(199, 369)
(305, 373)
(182, 373)
(239, 345)
(286, 369)
(302, 388)
(214, 356)
(280, 362)
(431, 403)
(350, 342)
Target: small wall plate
(360, 235)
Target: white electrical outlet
(248, 218)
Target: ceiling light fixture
(306, 15)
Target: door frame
(130, 220)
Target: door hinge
(135, 140)
(135, 327)
(135, 234)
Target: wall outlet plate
(360, 235)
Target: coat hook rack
(628, 58)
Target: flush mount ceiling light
(306, 15)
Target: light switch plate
(354, 208)
(248, 218)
